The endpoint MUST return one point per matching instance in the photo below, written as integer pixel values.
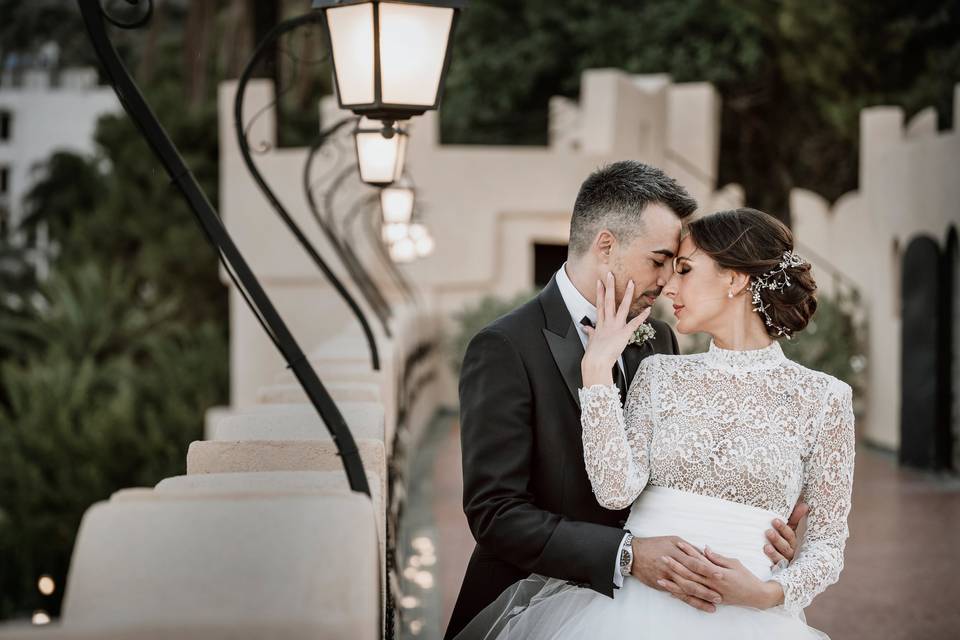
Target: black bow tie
(618, 375)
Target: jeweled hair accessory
(776, 280)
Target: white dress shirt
(579, 306)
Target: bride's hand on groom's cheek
(612, 332)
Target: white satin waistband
(730, 528)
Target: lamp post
(402, 48)
(378, 74)
(133, 102)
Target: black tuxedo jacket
(526, 493)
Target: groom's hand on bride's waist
(650, 568)
(782, 538)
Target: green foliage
(109, 366)
(106, 391)
(472, 318)
(834, 340)
(793, 74)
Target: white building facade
(40, 115)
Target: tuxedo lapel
(567, 353)
(562, 338)
(633, 355)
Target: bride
(709, 447)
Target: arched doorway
(951, 270)
(924, 426)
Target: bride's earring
(730, 293)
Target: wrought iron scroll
(274, 34)
(129, 95)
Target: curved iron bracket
(373, 232)
(166, 152)
(377, 301)
(362, 211)
(275, 33)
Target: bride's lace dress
(710, 447)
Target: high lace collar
(768, 356)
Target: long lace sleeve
(615, 446)
(827, 486)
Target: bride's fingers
(701, 570)
(624, 308)
(587, 329)
(600, 299)
(634, 324)
(717, 559)
(697, 562)
(688, 582)
(610, 301)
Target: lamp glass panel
(417, 230)
(404, 250)
(397, 204)
(351, 38)
(413, 48)
(424, 246)
(394, 232)
(380, 158)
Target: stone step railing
(262, 536)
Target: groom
(526, 493)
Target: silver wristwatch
(626, 555)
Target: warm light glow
(417, 231)
(40, 617)
(404, 250)
(424, 580)
(422, 544)
(351, 37)
(423, 244)
(409, 602)
(424, 247)
(416, 626)
(413, 45)
(381, 159)
(46, 585)
(394, 232)
(397, 204)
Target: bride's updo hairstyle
(756, 244)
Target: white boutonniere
(643, 333)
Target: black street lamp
(133, 102)
(390, 59)
(390, 56)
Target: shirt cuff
(617, 576)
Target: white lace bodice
(749, 426)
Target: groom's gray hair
(613, 197)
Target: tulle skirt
(542, 608)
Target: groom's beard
(641, 304)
